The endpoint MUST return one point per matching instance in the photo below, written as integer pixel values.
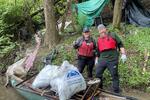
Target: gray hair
(100, 26)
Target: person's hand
(77, 43)
(123, 58)
(96, 61)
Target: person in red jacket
(109, 45)
(86, 47)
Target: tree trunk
(51, 36)
(65, 16)
(63, 23)
(117, 13)
(73, 20)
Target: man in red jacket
(109, 45)
(86, 48)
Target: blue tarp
(137, 15)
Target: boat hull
(28, 93)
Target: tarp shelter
(82, 1)
(136, 14)
(89, 10)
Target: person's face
(103, 30)
(86, 34)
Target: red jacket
(106, 43)
(86, 49)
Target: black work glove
(77, 43)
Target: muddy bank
(8, 93)
(137, 94)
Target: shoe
(94, 81)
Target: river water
(10, 94)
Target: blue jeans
(113, 69)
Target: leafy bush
(140, 38)
(6, 45)
(136, 42)
(12, 17)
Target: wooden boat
(91, 93)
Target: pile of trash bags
(65, 80)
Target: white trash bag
(45, 75)
(69, 82)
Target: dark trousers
(113, 69)
(88, 62)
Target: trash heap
(65, 80)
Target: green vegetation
(15, 14)
(12, 16)
(7, 15)
(136, 40)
